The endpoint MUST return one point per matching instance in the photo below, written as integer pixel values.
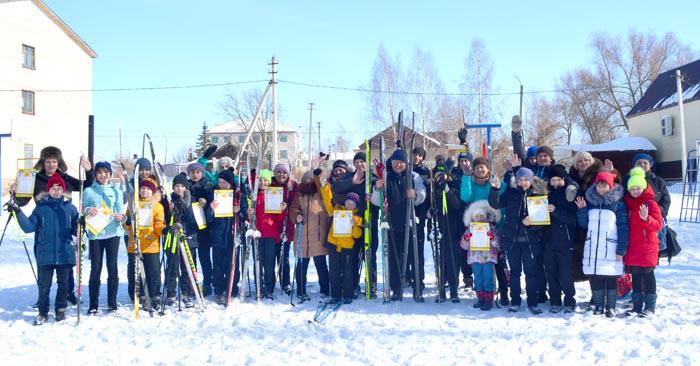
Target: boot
(610, 302)
(649, 306)
(454, 296)
(637, 303)
(479, 300)
(598, 301)
(41, 319)
(503, 294)
(488, 300)
(60, 314)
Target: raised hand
(515, 161)
(495, 182)
(644, 212)
(580, 202)
(609, 165)
(462, 134)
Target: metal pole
(684, 152)
(275, 151)
(311, 114)
(319, 135)
(521, 95)
(252, 126)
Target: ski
(252, 232)
(383, 227)
(411, 218)
(236, 247)
(298, 250)
(186, 254)
(324, 310)
(368, 221)
(79, 250)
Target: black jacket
(513, 200)
(560, 234)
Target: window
(28, 155)
(28, 57)
(282, 138)
(283, 154)
(215, 139)
(27, 102)
(241, 139)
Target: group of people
(601, 224)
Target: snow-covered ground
(365, 332)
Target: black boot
(637, 303)
(454, 296)
(60, 314)
(610, 302)
(598, 301)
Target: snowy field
(365, 332)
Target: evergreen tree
(203, 140)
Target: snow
(621, 144)
(672, 99)
(361, 333)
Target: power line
(146, 88)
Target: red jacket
(269, 224)
(643, 250)
(288, 199)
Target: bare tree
(342, 144)
(547, 130)
(387, 81)
(566, 117)
(424, 81)
(582, 90)
(183, 155)
(627, 65)
(477, 82)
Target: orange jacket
(149, 236)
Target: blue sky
(154, 43)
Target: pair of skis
(324, 310)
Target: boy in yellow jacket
(341, 239)
(151, 225)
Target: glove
(462, 134)
(11, 207)
(81, 220)
(318, 171)
(209, 151)
(491, 236)
(516, 124)
(571, 192)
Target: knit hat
(606, 177)
(228, 176)
(480, 161)
(525, 173)
(220, 163)
(640, 156)
(532, 151)
(181, 179)
(558, 170)
(479, 211)
(419, 151)
(340, 164)
(55, 179)
(51, 152)
(195, 166)
(309, 175)
(143, 164)
(265, 174)
(637, 178)
(465, 155)
(398, 155)
(150, 184)
(104, 165)
(352, 196)
(547, 150)
(281, 167)
(360, 156)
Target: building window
(28, 156)
(28, 57)
(282, 138)
(241, 139)
(27, 102)
(215, 139)
(283, 154)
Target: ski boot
(92, 311)
(41, 319)
(454, 296)
(60, 314)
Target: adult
(529, 157)
(307, 209)
(454, 214)
(397, 196)
(424, 173)
(104, 197)
(281, 179)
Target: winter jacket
(184, 215)
(472, 191)
(424, 173)
(202, 189)
(493, 216)
(339, 243)
(446, 195)
(643, 250)
(514, 200)
(606, 219)
(395, 188)
(519, 149)
(344, 185)
(94, 196)
(309, 204)
(560, 233)
(72, 185)
(586, 179)
(269, 224)
(221, 228)
(288, 198)
(54, 222)
(658, 185)
(149, 236)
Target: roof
(61, 24)
(235, 127)
(621, 144)
(662, 93)
(389, 135)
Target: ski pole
(25, 249)
(9, 218)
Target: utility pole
(311, 114)
(319, 136)
(684, 152)
(275, 151)
(120, 143)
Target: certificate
(342, 223)
(25, 183)
(480, 241)
(96, 224)
(199, 217)
(274, 196)
(146, 215)
(538, 210)
(224, 197)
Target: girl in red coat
(643, 253)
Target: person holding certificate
(104, 209)
(282, 181)
(202, 193)
(346, 226)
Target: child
(54, 221)
(643, 252)
(340, 248)
(482, 261)
(603, 212)
(202, 191)
(270, 227)
(558, 243)
(149, 242)
(221, 240)
(523, 241)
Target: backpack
(672, 246)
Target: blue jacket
(54, 221)
(221, 229)
(94, 195)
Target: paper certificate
(25, 183)
(480, 241)
(342, 223)
(96, 224)
(224, 197)
(146, 215)
(199, 217)
(274, 196)
(538, 210)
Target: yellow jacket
(340, 243)
(149, 236)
